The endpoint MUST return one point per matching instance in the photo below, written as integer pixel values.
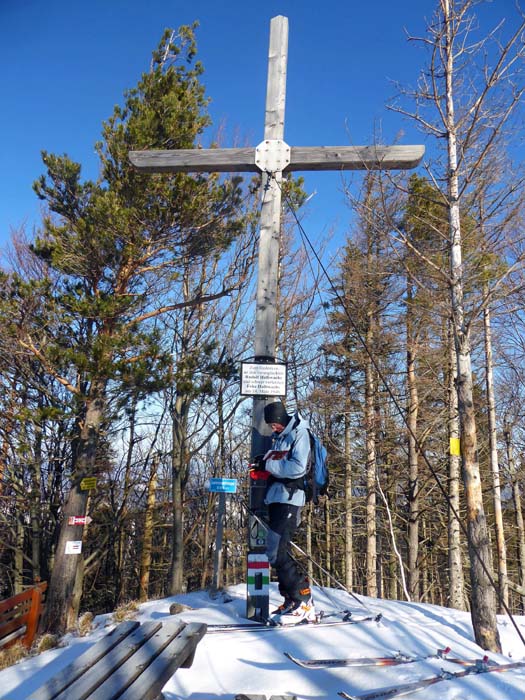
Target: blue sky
(66, 64)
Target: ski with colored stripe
(480, 666)
(393, 660)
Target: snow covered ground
(254, 663)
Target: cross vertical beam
(270, 222)
(267, 278)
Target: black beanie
(276, 413)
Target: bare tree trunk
(121, 534)
(59, 614)
(413, 466)
(348, 513)
(178, 475)
(147, 537)
(35, 507)
(520, 528)
(19, 551)
(371, 527)
(328, 530)
(483, 598)
(494, 464)
(206, 539)
(77, 594)
(455, 560)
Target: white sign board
(73, 547)
(263, 379)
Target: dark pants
(283, 522)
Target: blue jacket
(291, 466)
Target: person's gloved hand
(257, 470)
(259, 474)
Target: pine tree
(114, 247)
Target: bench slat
(64, 678)
(151, 681)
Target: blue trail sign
(222, 485)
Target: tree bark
(455, 560)
(494, 463)
(147, 537)
(518, 514)
(348, 513)
(371, 527)
(413, 456)
(178, 476)
(59, 614)
(328, 533)
(483, 598)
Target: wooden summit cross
(272, 157)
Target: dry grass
(126, 611)
(45, 642)
(85, 624)
(12, 655)
(17, 652)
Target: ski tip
(342, 694)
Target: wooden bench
(133, 662)
(19, 616)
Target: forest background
(126, 311)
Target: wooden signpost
(222, 487)
(273, 158)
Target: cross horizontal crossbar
(203, 160)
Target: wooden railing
(19, 616)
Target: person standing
(287, 464)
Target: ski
(220, 627)
(320, 622)
(275, 625)
(480, 666)
(393, 660)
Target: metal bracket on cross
(272, 155)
